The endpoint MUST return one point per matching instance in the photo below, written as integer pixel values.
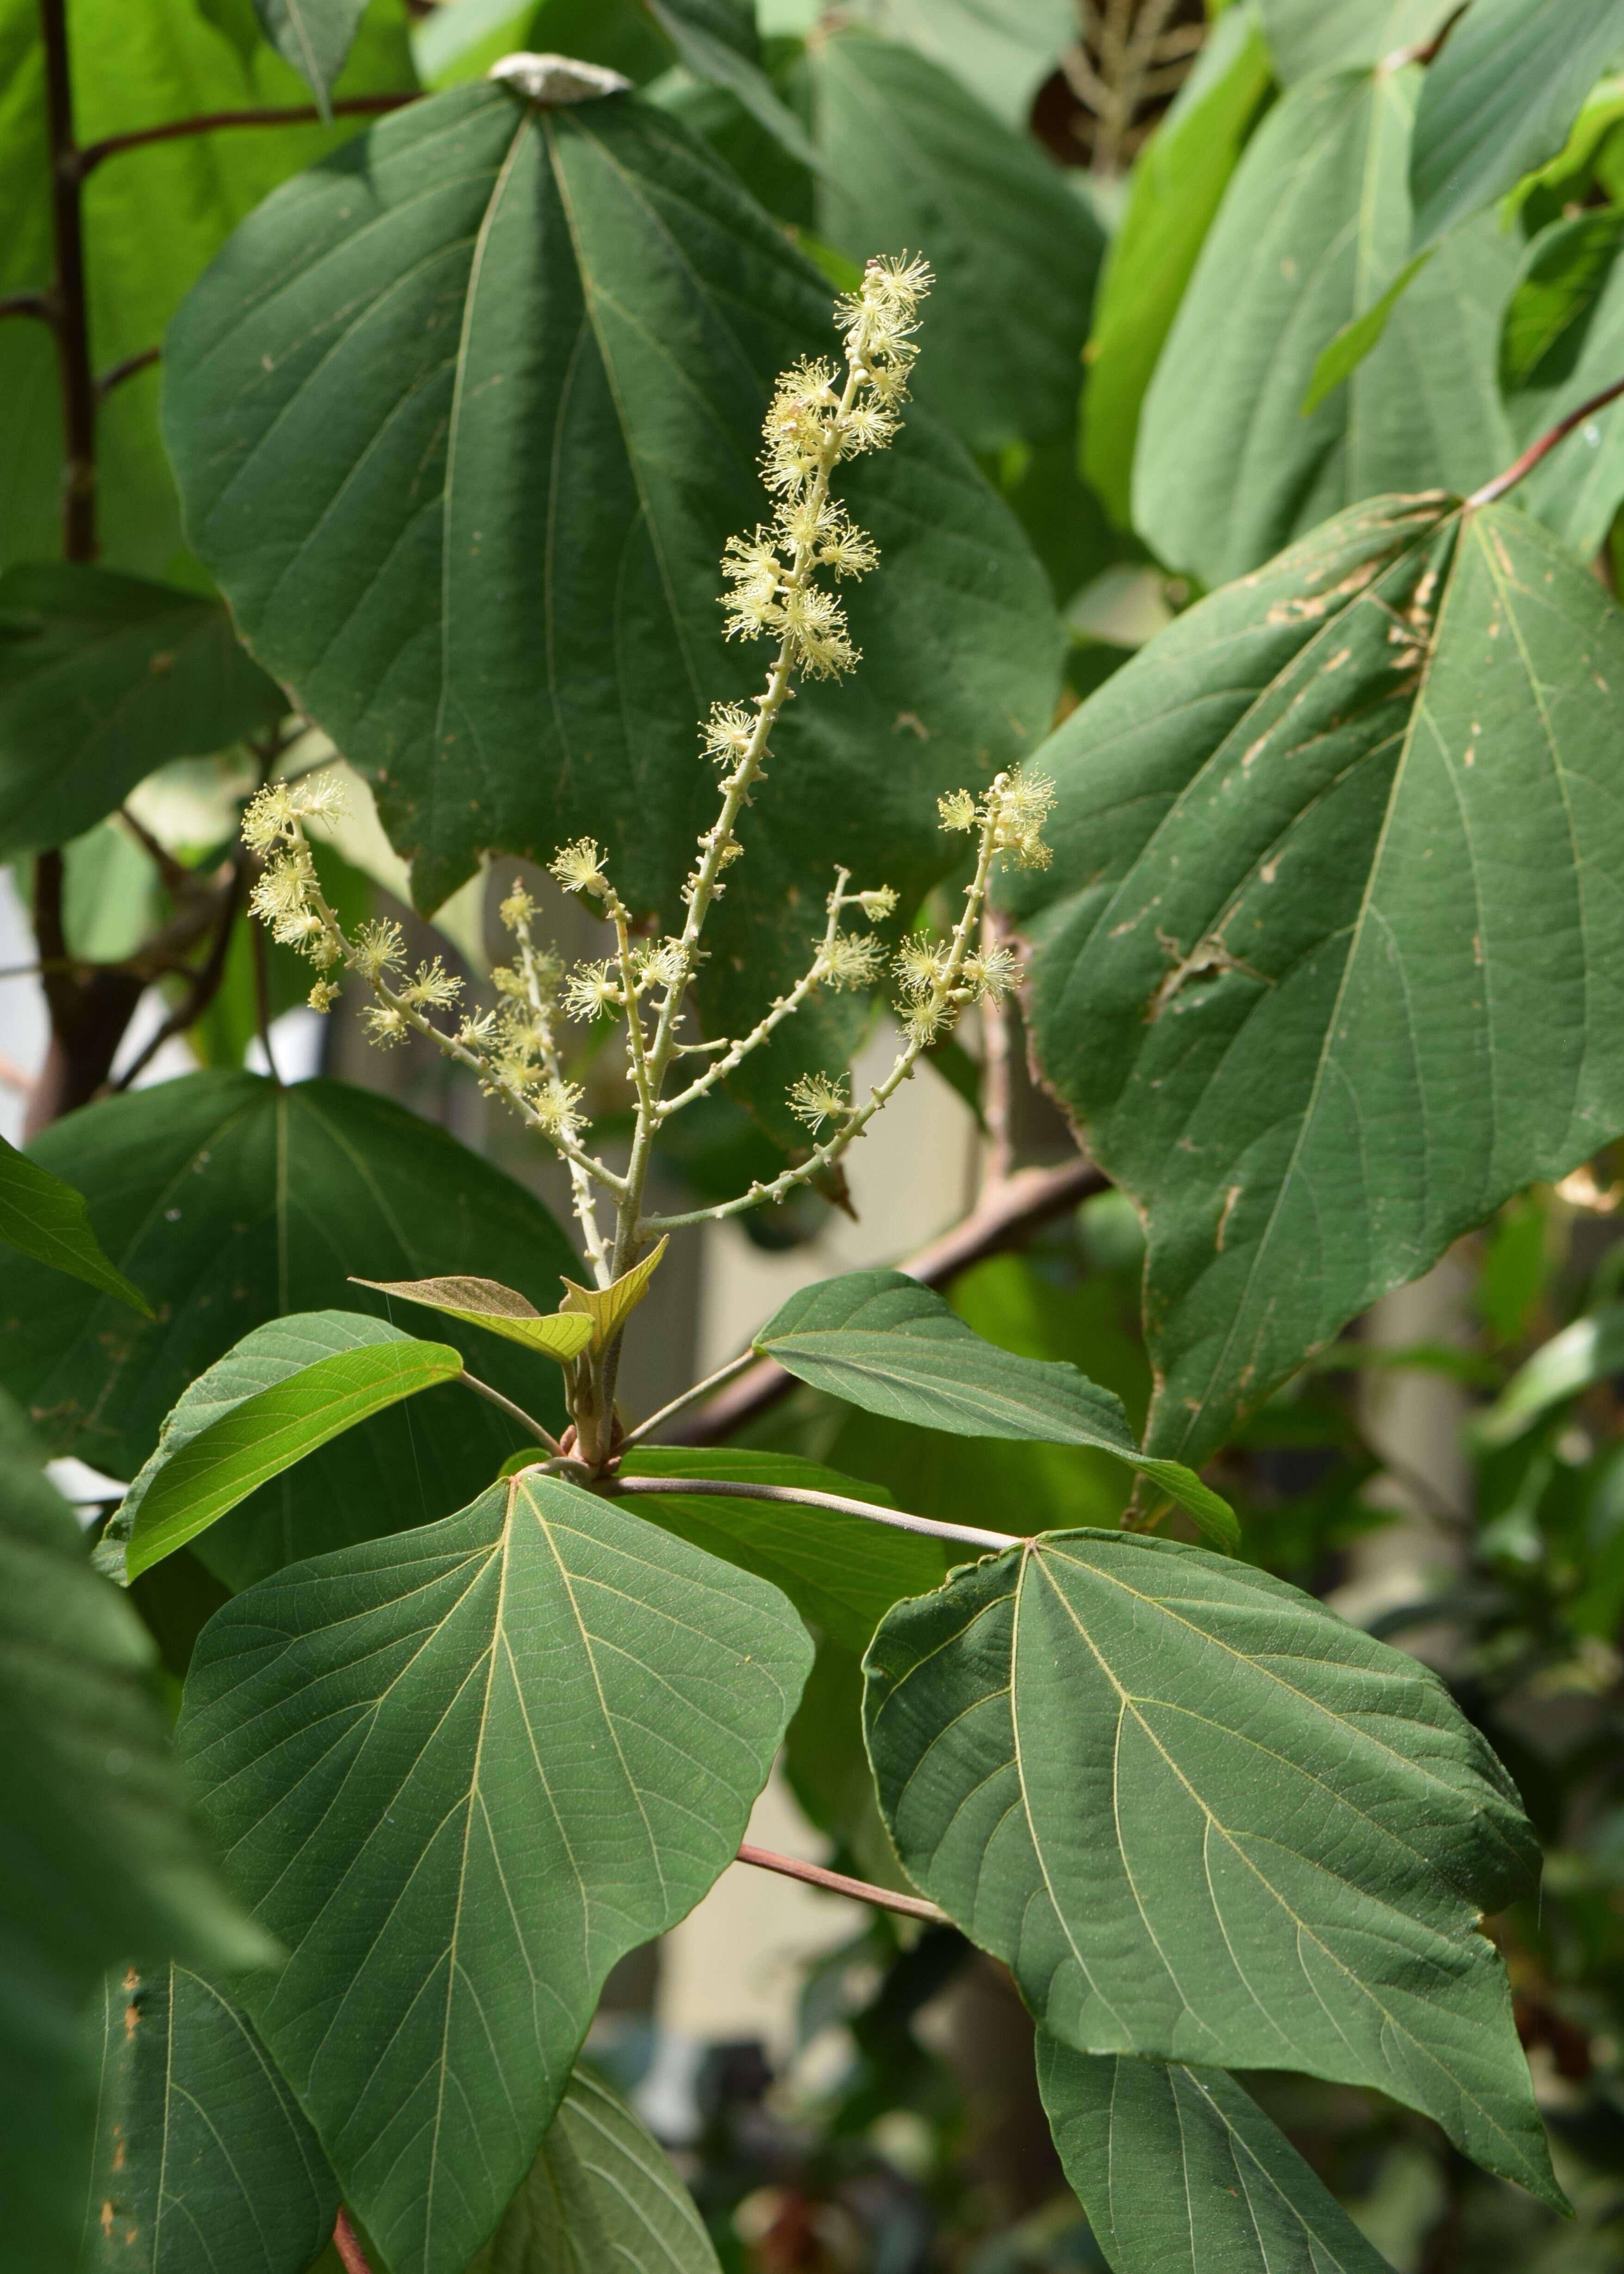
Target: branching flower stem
(947, 989)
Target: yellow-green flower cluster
(1014, 808)
(819, 1097)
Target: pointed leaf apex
(609, 1307)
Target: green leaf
(601, 2194)
(202, 2160)
(1575, 490)
(454, 45)
(608, 1308)
(1500, 101)
(1310, 36)
(153, 218)
(1564, 274)
(826, 1767)
(283, 1391)
(911, 158)
(717, 41)
(1181, 2172)
(514, 1744)
(1581, 161)
(1002, 50)
(1284, 979)
(842, 1573)
(233, 1202)
(100, 1863)
(42, 1217)
(315, 36)
(880, 1340)
(1314, 230)
(487, 1302)
(1356, 338)
(102, 678)
(1174, 191)
(632, 303)
(1201, 1817)
(1591, 1350)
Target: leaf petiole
(898, 1519)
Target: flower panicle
(1012, 812)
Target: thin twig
(526, 1421)
(899, 1520)
(723, 1375)
(127, 369)
(200, 990)
(1542, 448)
(212, 122)
(862, 1891)
(349, 2248)
(1001, 1219)
(29, 304)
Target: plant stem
(862, 1891)
(211, 121)
(1542, 448)
(29, 304)
(71, 325)
(1000, 1219)
(127, 369)
(723, 1373)
(897, 1518)
(526, 1421)
(349, 2248)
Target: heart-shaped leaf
(601, 2194)
(1181, 2172)
(461, 1772)
(1201, 1817)
(487, 1302)
(1304, 1010)
(516, 361)
(880, 1340)
(841, 1574)
(234, 1202)
(1314, 230)
(101, 679)
(1500, 98)
(42, 1217)
(283, 1391)
(202, 2159)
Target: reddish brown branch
(349, 2248)
(127, 369)
(71, 321)
(1544, 447)
(862, 1890)
(29, 304)
(213, 122)
(1002, 1218)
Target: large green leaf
(1314, 230)
(717, 41)
(232, 1202)
(1329, 963)
(1307, 36)
(202, 2160)
(102, 678)
(514, 639)
(283, 1391)
(1002, 50)
(460, 1773)
(880, 1340)
(911, 158)
(841, 1573)
(1500, 99)
(100, 1864)
(315, 36)
(1562, 344)
(1181, 2172)
(153, 218)
(1201, 1817)
(1173, 194)
(601, 2194)
(42, 1217)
